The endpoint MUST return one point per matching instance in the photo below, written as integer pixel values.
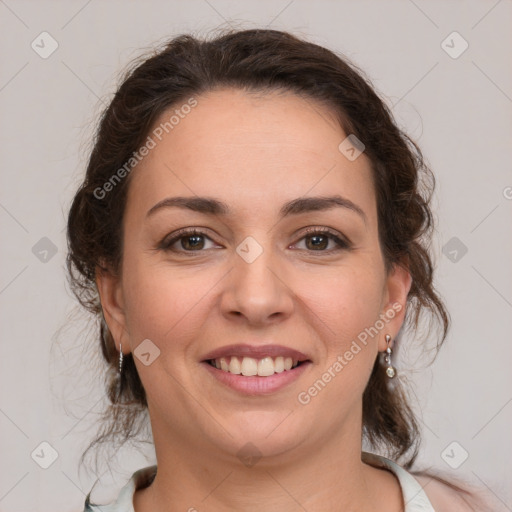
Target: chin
(259, 434)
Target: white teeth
(279, 364)
(234, 366)
(265, 367)
(248, 366)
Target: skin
(254, 152)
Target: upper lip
(256, 352)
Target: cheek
(346, 299)
(344, 308)
(159, 304)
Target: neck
(327, 476)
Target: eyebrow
(211, 206)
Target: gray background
(457, 108)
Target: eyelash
(166, 245)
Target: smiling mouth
(249, 366)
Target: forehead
(252, 150)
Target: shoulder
(447, 498)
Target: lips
(257, 385)
(256, 352)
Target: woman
(255, 227)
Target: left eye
(319, 240)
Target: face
(308, 278)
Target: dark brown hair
(257, 60)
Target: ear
(396, 288)
(112, 302)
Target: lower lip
(256, 385)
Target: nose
(257, 291)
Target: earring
(390, 371)
(120, 358)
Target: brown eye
(192, 242)
(318, 240)
(186, 241)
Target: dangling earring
(120, 358)
(390, 371)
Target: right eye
(190, 240)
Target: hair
(257, 60)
